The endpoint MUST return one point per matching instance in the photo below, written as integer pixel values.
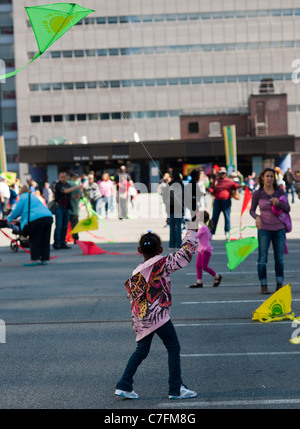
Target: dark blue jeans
(61, 225)
(264, 239)
(168, 335)
(175, 231)
(225, 207)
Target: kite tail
(17, 71)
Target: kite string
(135, 122)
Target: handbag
(52, 206)
(26, 230)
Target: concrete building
(8, 105)
(138, 66)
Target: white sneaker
(185, 393)
(127, 395)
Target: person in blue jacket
(40, 219)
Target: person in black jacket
(62, 197)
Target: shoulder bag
(26, 230)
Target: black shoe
(64, 246)
(55, 246)
(279, 286)
(217, 281)
(196, 285)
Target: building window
(193, 127)
(55, 54)
(57, 86)
(70, 118)
(101, 20)
(34, 86)
(68, 85)
(79, 53)
(214, 129)
(115, 84)
(80, 85)
(102, 52)
(93, 116)
(45, 87)
(90, 52)
(67, 54)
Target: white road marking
(245, 272)
(227, 302)
(249, 323)
(233, 403)
(239, 354)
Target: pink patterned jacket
(149, 288)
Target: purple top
(270, 222)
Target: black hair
(207, 220)
(150, 244)
(62, 171)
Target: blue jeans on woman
(264, 239)
(168, 335)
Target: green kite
(49, 23)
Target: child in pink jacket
(149, 291)
(204, 252)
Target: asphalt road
(69, 334)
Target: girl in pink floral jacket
(149, 291)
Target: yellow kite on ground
(276, 307)
(88, 224)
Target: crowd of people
(33, 206)
(270, 193)
(185, 199)
(149, 287)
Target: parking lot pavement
(68, 329)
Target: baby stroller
(19, 240)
